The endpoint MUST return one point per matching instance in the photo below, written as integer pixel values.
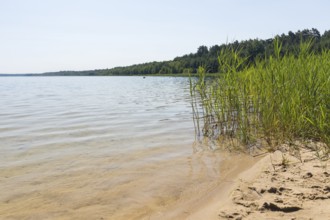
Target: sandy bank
(279, 186)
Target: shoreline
(249, 187)
(194, 205)
(299, 189)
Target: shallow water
(99, 148)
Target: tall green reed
(279, 99)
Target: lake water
(100, 148)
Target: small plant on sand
(285, 161)
(322, 153)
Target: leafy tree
(202, 51)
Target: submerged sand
(106, 187)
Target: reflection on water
(98, 147)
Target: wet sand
(269, 189)
(203, 200)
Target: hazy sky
(51, 35)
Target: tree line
(252, 50)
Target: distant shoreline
(145, 75)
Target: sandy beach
(279, 186)
(269, 186)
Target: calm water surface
(99, 115)
(98, 148)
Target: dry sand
(279, 186)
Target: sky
(39, 36)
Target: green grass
(279, 99)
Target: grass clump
(279, 99)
